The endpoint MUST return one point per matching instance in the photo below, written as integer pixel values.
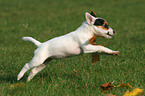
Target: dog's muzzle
(108, 33)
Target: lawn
(75, 76)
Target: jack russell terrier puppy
(73, 43)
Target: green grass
(46, 19)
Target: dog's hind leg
(34, 71)
(37, 69)
(24, 69)
(27, 67)
(36, 61)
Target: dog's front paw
(114, 53)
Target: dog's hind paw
(28, 79)
(19, 77)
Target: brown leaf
(92, 40)
(95, 58)
(16, 84)
(74, 70)
(106, 86)
(122, 85)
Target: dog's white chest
(67, 53)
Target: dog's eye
(99, 22)
(106, 26)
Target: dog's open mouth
(109, 35)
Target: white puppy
(74, 43)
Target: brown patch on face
(105, 23)
(104, 26)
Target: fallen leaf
(126, 93)
(110, 95)
(12, 85)
(122, 85)
(95, 58)
(92, 40)
(74, 70)
(106, 86)
(134, 92)
(16, 84)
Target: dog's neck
(86, 29)
(84, 33)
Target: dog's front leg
(99, 49)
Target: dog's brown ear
(93, 14)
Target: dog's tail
(37, 43)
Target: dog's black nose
(113, 31)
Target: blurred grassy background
(75, 76)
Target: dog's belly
(66, 53)
(74, 51)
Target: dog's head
(100, 26)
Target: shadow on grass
(43, 76)
(51, 76)
(72, 76)
(11, 79)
